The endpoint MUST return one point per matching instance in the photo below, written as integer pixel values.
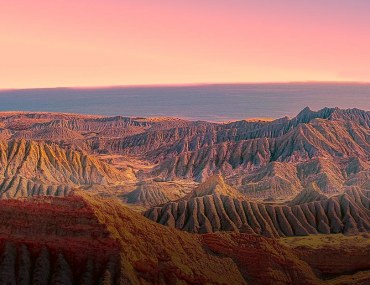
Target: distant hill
(261, 159)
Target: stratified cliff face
(197, 135)
(34, 168)
(211, 212)
(49, 240)
(262, 261)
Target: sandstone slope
(34, 168)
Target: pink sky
(47, 43)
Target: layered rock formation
(76, 240)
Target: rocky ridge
(347, 213)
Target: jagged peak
(215, 185)
(353, 115)
(332, 113)
(309, 194)
(306, 115)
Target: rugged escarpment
(33, 168)
(155, 254)
(329, 147)
(192, 137)
(325, 253)
(345, 213)
(326, 139)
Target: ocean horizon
(210, 102)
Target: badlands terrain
(90, 199)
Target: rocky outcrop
(261, 260)
(276, 179)
(214, 185)
(346, 213)
(85, 240)
(18, 186)
(146, 195)
(149, 193)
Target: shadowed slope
(311, 194)
(152, 254)
(75, 240)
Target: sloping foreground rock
(89, 240)
(83, 240)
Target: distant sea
(220, 102)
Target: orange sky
(47, 43)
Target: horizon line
(188, 84)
